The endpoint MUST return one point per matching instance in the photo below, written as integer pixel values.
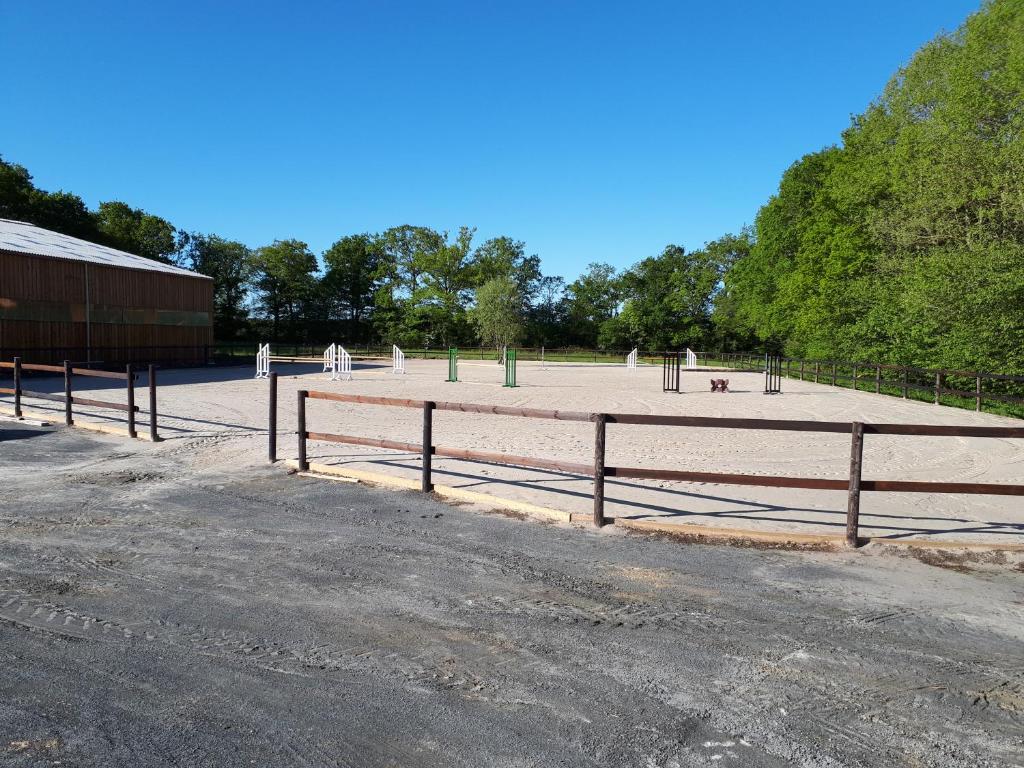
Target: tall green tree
(351, 278)
(591, 300)
(63, 212)
(231, 265)
(134, 230)
(284, 275)
(906, 243)
(547, 317)
(498, 312)
(667, 301)
(506, 257)
(403, 254)
(439, 303)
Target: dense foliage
(904, 244)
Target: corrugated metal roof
(27, 238)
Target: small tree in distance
(498, 313)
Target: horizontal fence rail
(69, 399)
(854, 484)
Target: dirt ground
(161, 605)
(220, 415)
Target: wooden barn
(62, 298)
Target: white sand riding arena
(219, 415)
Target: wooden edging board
(444, 491)
(831, 541)
(87, 425)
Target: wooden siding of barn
(136, 315)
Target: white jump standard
(329, 354)
(342, 368)
(335, 360)
(631, 359)
(397, 359)
(263, 361)
(691, 359)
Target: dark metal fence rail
(853, 485)
(69, 399)
(975, 387)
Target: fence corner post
(301, 431)
(853, 499)
(426, 482)
(68, 419)
(153, 436)
(600, 422)
(17, 387)
(272, 426)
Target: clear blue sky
(594, 132)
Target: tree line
(903, 244)
(410, 285)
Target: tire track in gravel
(628, 615)
(470, 675)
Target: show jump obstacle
(631, 360)
(397, 359)
(672, 368)
(336, 361)
(510, 368)
(772, 374)
(670, 365)
(329, 356)
(263, 361)
(453, 364)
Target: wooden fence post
(599, 437)
(816, 365)
(130, 382)
(17, 387)
(426, 483)
(855, 376)
(938, 386)
(301, 431)
(904, 382)
(878, 379)
(152, 403)
(833, 374)
(67, 394)
(801, 370)
(853, 498)
(272, 426)
(977, 396)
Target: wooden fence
(854, 485)
(69, 399)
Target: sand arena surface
(219, 417)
